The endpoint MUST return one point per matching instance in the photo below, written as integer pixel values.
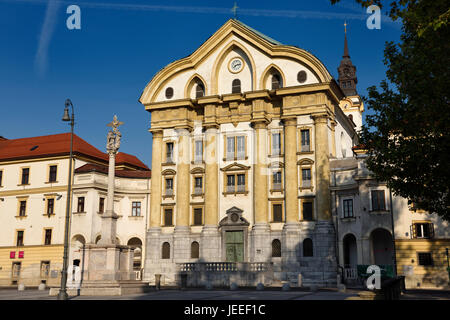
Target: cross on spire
(234, 9)
(345, 27)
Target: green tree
(407, 135)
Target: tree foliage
(408, 134)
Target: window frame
(236, 83)
(82, 203)
(46, 230)
(1, 178)
(385, 200)
(101, 205)
(47, 206)
(22, 176)
(278, 255)
(22, 231)
(234, 156)
(302, 201)
(430, 257)
(134, 208)
(344, 215)
(193, 222)
(49, 173)
(172, 160)
(272, 207)
(271, 143)
(310, 149)
(163, 216)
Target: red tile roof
(59, 145)
(90, 167)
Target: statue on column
(113, 139)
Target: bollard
(286, 287)
(21, 287)
(233, 286)
(260, 287)
(42, 286)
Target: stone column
(155, 198)
(322, 167)
(290, 171)
(210, 249)
(109, 218)
(183, 181)
(181, 241)
(261, 246)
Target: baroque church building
(244, 130)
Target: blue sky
(104, 67)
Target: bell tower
(347, 71)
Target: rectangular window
(198, 151)
(198, 187)
(1, 177)
(307, 209)
(169, 187)
(277, 180)
(230, 148)
(423, 230)
(50, 206)
(136, 209)
(169, 152)
(348, 208)
(230, 183)
(48, 237)
(23, 208)
(52, 174)
(276, 144)
(306, 178)
(101, 205)
(168, 217)
(45, 269)
(378, 200)
(80, 206)
(305, 146)
(16, 266)
(277, 213)
(198, 212)
(240, 147)
(25, 175)
(425, 258)
(19, 238)
(241, 183)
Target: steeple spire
(346, 55)
(347, 71)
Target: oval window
(301, 76)
(169, 92)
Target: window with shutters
(307, 210)
(198, 154)
(425, 259)
(422, 230)
(50, 206)
(195, 250)
(378, 200)
(277, 212)
(48, 237)
(165, 254)
(276, 144)
(305, 140)
(198, 216)
(308, 248)
(276, 248)
(52, 173)
(169, 152)
(25, 175)
(168, 217)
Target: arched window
(276, 81)
(165, 250)
(307, 247)
(236, 86)
(276, 248)
(195, 250)
(199, 90)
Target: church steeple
(347, 71)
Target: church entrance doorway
(234, 242)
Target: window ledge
(23, 184)
(276, 155)
(348, 219)
(20, 217)
(49, 214)
(198, 162)
(168, 164)
(171, 197)
(79, 213)
(306, 188)
(197, 195)
(379, 212)
(235, 159)
(305, 152)
(47, 182)
(235, 193)
(167, 226)
(276, 190)
(135, 217)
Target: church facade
(243, 132)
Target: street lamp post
(62, 295)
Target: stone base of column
(211, 244)
(181, 244)
(261, 243)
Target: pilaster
(155, 198)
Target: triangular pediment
(235, 167)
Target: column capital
(289, 121)
(156, 133)
(260, 123)
(320, 117)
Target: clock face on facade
(236, 65)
